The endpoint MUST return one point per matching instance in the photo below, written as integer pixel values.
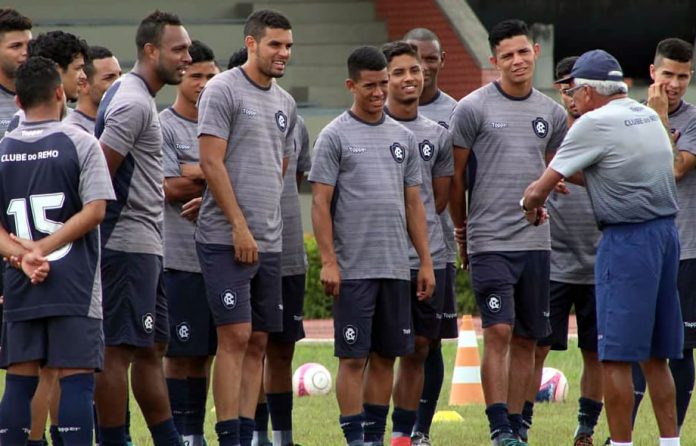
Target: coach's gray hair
(604, 88)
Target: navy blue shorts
(240, 293)
(65, 342)
(191, 327)
(449, 329)
(563, 297)
(135, 305)
(427, 314)
(512, 288)
(293, 309)
(638, 314)
(686, 283)
(373, 315)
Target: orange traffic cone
(466, 379)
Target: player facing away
(15, 34)
(192, 333)
(101, 70)
(435, 157)
(437, 105)
(504, 131)
(57, 174)
(135, 308)
(239, 226)
(366, 178)
(671, 72)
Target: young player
(15, 34)
(135, 308)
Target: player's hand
(460, 238)
(561, 187)
(192, 171)
(34, 264)
(426, 283)
(190, 209)
(245, 248)
(330, 277)
(14, 261)
(657, 100)
(537, 216)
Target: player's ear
(350, 84)
(60, 93)
(493, 61)
(149, 50)
(17, 103)
(537, 50)
(442, 59)
(652, 71)
(250, 43)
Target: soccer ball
(311, 379)
(554, 386)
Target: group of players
(95, 283)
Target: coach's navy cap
(597, 65)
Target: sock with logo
(280, 408)
(112, 436)
(15, 408)
(246, 431)
(56, 439)
(375, 422)
(42, 442)
(260, 425)
(639, 386)
(352, 426)
(178, 400)
(228, 432)
(165, 433)
(197, 395)
(528, 414)
(498, 421)
(75, 408)
(402, 422)
(589, 411)
(434, 374)
(683, 373)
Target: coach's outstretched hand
(34, 264)
(245, 248)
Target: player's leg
(683, 369)
(199, 376)
(683, 374)
(53, 409)
(41, 402)
(261, 416)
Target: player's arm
(212, 155)
(182, 189)
(286, 161)
(113, 158)
(88, 218)
(330, 275)
(418, 232)
(536, 194)
(684, 162)
(441, 192)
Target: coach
(621, 152)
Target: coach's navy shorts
(563, 297)
(373, 315)
(68, 342)
(449, 328)
(427, 314)
(191, 327)
(293, 309)
(512, 288)
(239, 293)
(638, 315)
(686, 282)
(135, 305)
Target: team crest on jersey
(494, 303)
(541, 127)
(444, 124)
(183, 332)
(350, 334)
(398, 152)
(281, 120)
(228, 299)
(426, 149)
(148, 323)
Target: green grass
(316, 418)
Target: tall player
(193, 341)
(366, 178)
(135, 308)
(506, 129)
(437, 105)
(245, 128)
(436, 159)
(15, 33)
(56, 324)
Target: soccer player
(57, 324)
(237, 58)
(671, 72)
(15, 33)
(135, 309)
(506, 129)
(435, 157)
(192, 333)
(620, 150)
(366, 182)
(574, 239)
(245, 128)
(437, 105)
(101, 70)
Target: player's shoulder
(444, 98)
(541, 99)
(397, 130)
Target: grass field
(316, 418)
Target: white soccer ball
(554, 386)
(311, 379)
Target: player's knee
(233, 338)
(352, 365)
(497, 336)
(256, 348)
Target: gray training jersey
(683, 119)
(509, 138)
(440, 110)
(437, 160)
(128, 123)
(258, 124)
(8, 108)
(86, 123)
(179, 146)
(369, 165)
(626, 156)
(293, 258)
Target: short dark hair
(674, 49)
(258, 21)
(200, 52)
(365, 58)
(506, 30)
(95, 52)
(59, 46)
(399, 48)
(151, 28)
(565, 66)
(37, 79)
(422, 35)
(11, 20)
(238, 58)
